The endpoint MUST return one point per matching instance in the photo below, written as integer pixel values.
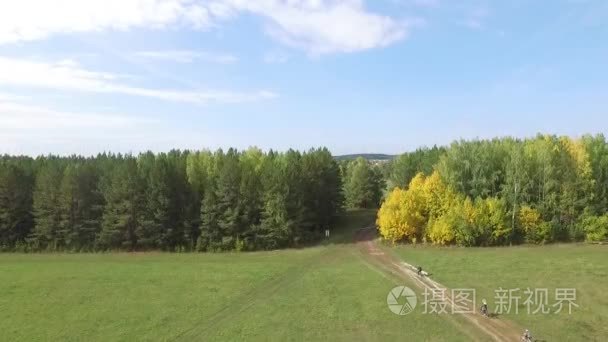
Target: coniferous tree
(184, 203)
(227, 193)
(80, 206)
(156, 226)
(46, 200)
(250, 195)
(210, 234)
(123, 198)
(15, 205)
(290, 166)
(199, 168)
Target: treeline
(176, 201)
(363, 183)
(472, 193)
(498, 192)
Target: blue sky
(355, 76)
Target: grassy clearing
(340, 298)
(584, 267)
(328, 292)
(324, 292)
(122, 296)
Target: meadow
(583, 267)
(325, 292)
(332, 291)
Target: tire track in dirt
(495, 329)
(395, 277)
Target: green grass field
(327, 292)
(579, 266)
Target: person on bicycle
(527, 337)
(484, 307)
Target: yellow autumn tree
(529, 218)
(438, 196)
(441, 230)
(402, 216)
(535, 229)
(390, 218)
(469, 212)
(463, 217)
(419, 211)
(577, 151)
(440, 200)
(489, 224)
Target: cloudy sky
(84, 76)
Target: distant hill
(368, 156)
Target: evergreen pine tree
(15, 205)
(46, 199)
(123, 198)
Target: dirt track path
(496, 329)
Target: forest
(499, 192)
(176, 201)
(472, 193)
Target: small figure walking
(326, 233)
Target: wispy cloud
(317, 27)
(188, 56)
(419, 3)
(427, 3)
(476, 18)
(324, 27)
(19, 116)
(275, 57)
(31, 129)
(26, 20)
(5, 97)
(68, 75)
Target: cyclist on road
(484, 307)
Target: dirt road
(496, 329)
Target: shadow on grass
(344, 230)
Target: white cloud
(188, 56)
(321, 27)
(315, 26)
(68, 75)
(25, 20)
(11, 97)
